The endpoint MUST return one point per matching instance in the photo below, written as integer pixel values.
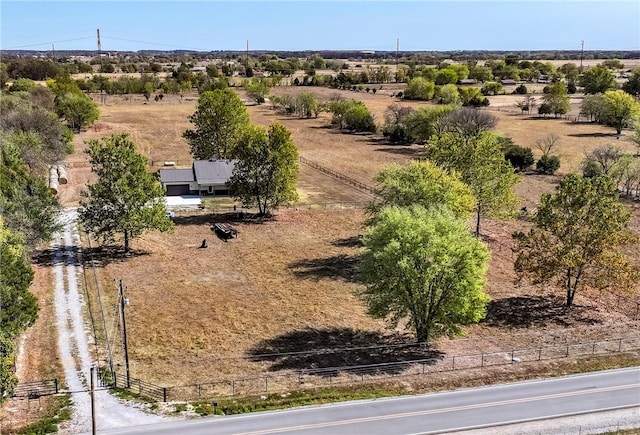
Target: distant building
(204, 178)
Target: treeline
(33, 135)
(432, 57)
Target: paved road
(430, 413)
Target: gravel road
(74, 346)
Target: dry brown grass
(193, 311)
(38, 358)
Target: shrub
(591, 168)
(521, 90)
(548, 165)
(521, 158)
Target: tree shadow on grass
(331, 351)
(98, 256)
(527, 311)
(349, 242)
(402, 150)
(341, 266)
(608, 134)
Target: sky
(327, 25)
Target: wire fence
(338, 176)
(328, 376)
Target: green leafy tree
(576, 239)
(257, 90)
(126, 199)
(424, 267)
(219, 120)
(307, 104)
(632, 86)
(8, 379)
(419, 89)
(595, 108)
(448, 94)
(426, 121)
(425, 184)
(481, 164)
(621, 108)
(78, 110)
(26, 202)
(19, 85)
(266, 169)
(493, 88)
(18, 307)
(446, 76)
(471, 96)
(597, 80)
(480, 73)
(557, 99)
(351, 115)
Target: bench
(225, 230)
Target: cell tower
(99, 44)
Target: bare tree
(547, 143)
(527, 104)
(396, 114)
(469, 122)
(605, 157)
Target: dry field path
(73, 343)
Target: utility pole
(581, 54)
(247, 58)
(93, 401)
(397, 58)
(123, 322)
(53, 52)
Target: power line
(154, 43)
(48, 43)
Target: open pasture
(290, 284)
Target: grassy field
(291, 284)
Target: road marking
(437, 411)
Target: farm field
(197, 314)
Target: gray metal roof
(174, 175)
(213, 171)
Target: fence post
(139, 387)
(453, 364)
(619, 344)
(567, 353)
(512, 357)
(539, 353)
(423, 368)
(482, 359)
(198, 391)
(164, 395)
(266, 384)
(55, 381)
(233, 387)
(593, 350)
